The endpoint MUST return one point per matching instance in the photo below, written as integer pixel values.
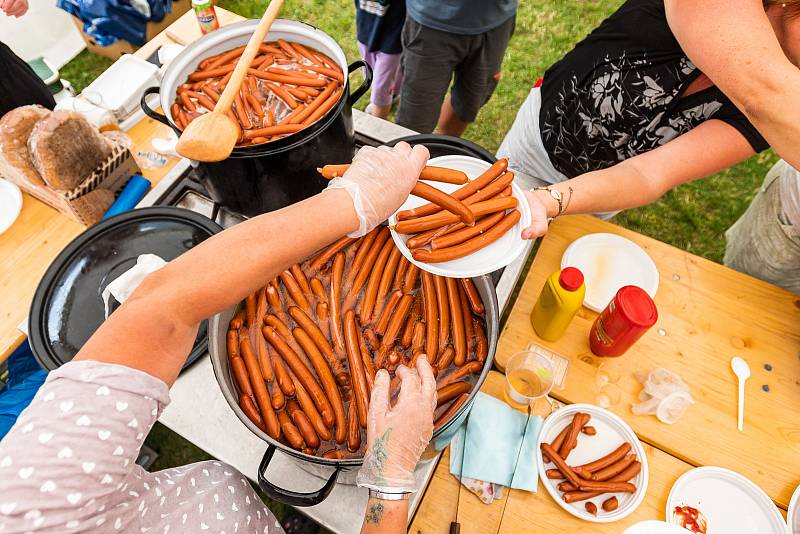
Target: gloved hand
(397, 436)
(379, 181)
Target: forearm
(154, 330)
(616, 188)
(385, 517)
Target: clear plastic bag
(664, 394)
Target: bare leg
(449, 122)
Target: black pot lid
(68, 305)
(446, 145)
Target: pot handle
(365, 85)
(292, 498)
(148, 110)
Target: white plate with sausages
(611, 433)
(483, 261)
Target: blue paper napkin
(492, 439)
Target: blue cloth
(492, 439)
(465, 17)
(379, 24)
(25, 378)
(106, 21)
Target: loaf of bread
(15, 129)
(65, 149)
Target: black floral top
(618, 94)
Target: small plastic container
(627, 317)
(559, 301)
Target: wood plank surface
(707, 314)
(522, 511)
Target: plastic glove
(664, 395)
(397, 436)
(379, 181)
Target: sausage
(323, 108)
(363, 249)
(318, 290)
(369, 368)
(285, 386)
(481, 343)
(387, 278)
(400, 275)
(457, 322)
(259, 388)
(307, 404)
(446, 358)
(451, 391)
(451, 410)
(496, 188)
(471, 245)
(371, 292)
(471, 368)
(367, 266)
(251, 304)
(239, 372)
(333, 454)
(210, 73)
(479, 209)
(303, 424)
(335, 302)
(383, 320)
(571, 439)
(187, 102)
(237, 321)
(554, 474)
(606, 487)
(274, 299)
(423, 238)
(302, 372)
(394, 358)
(610, 458)
(432, 174)
(241, 112)
(625, 476)
(264, 359)
(301, 279)
(466, 319)
(310, 327)
(399, 316)
(559, 440)
(408, 330)
(330, 73)
(589, 430)
(353, 429)
(591, 508)
(445, 201)
(410, 281)
(443, 306)
(454, 238)
(371, 339)
(293, 435)
(323, 257)
(326, 377)
(614, 469)
(323, 320)
(272, 130)
(315, 104)
(609, 505)
(356, 367)
(488, 176)
(562, 466)
(292, 80)
(431, 316)
(251, 411)
(233, 343)
(417, 337)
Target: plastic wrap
(664, 394)
(15, 160)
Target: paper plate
(612, 431)
(10, 204)
(729, 502)
(609, 262)
(489, 259)
(793, 515)
(654, 527)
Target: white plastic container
(119, 89)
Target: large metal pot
(270, 176)
(343, 470)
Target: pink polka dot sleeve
(68, 464)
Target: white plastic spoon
(742, 371)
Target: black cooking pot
(260, 178)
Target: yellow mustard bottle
(559, 301)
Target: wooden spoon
(212, 136)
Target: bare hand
(539, 216)
(14, 8)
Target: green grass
(692, 217)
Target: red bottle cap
(571, 279)
(637, 306)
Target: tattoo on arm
(379, 449)
(374, 512)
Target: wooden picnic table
(707, 314)
(41, 232)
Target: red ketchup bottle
(627, 317)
